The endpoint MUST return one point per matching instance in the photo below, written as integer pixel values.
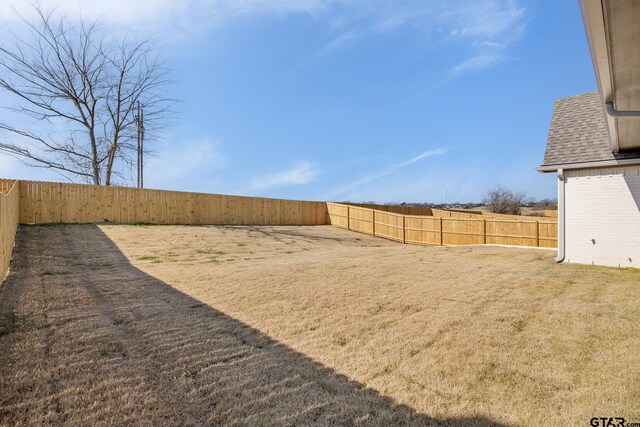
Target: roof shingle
(579, 134)
(578, 131)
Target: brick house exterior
(599, 189)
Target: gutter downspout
(608, 107)
(561, 215)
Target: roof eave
(588, 165)
(593, 17)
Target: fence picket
(444, 227)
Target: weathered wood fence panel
(51, 202)
(6, 185)
(9, 220)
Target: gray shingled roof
(578, 131)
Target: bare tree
(503, 201)
(84, 86)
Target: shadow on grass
(117, 346)
(279, 234)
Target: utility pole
(139, 118)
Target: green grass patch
(210, 252)
(190, 373)
(519, 325)
(55, 273)
(99, 265)
(148, 258)
(341, 342)
(120, 321)
(115, 351)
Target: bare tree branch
(73, 77)
(503, 201)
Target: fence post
(404, 237)
(484, 231)
(348, 218)
(373, 222)
(440, 231)
(537, 233)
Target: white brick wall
(603, 205)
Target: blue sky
(357, 100)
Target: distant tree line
(496, 200)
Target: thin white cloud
(171, 21)
(374, 27)
(362, 160)
(488, 29)
(480, 30)
(478, 62)
(427, 186)
(193, 163)
(300, 174)
(124, 12)
(484, 55)
(384, 172)
(466, 26)
(421, 156)
(483, 19)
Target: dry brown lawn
(308, 326)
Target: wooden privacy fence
(52, 202)
(6, 185)
(413, 210)
(35, 202)
(9, 219)
(450, 213)
(445, 230)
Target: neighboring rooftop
(579, 133)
